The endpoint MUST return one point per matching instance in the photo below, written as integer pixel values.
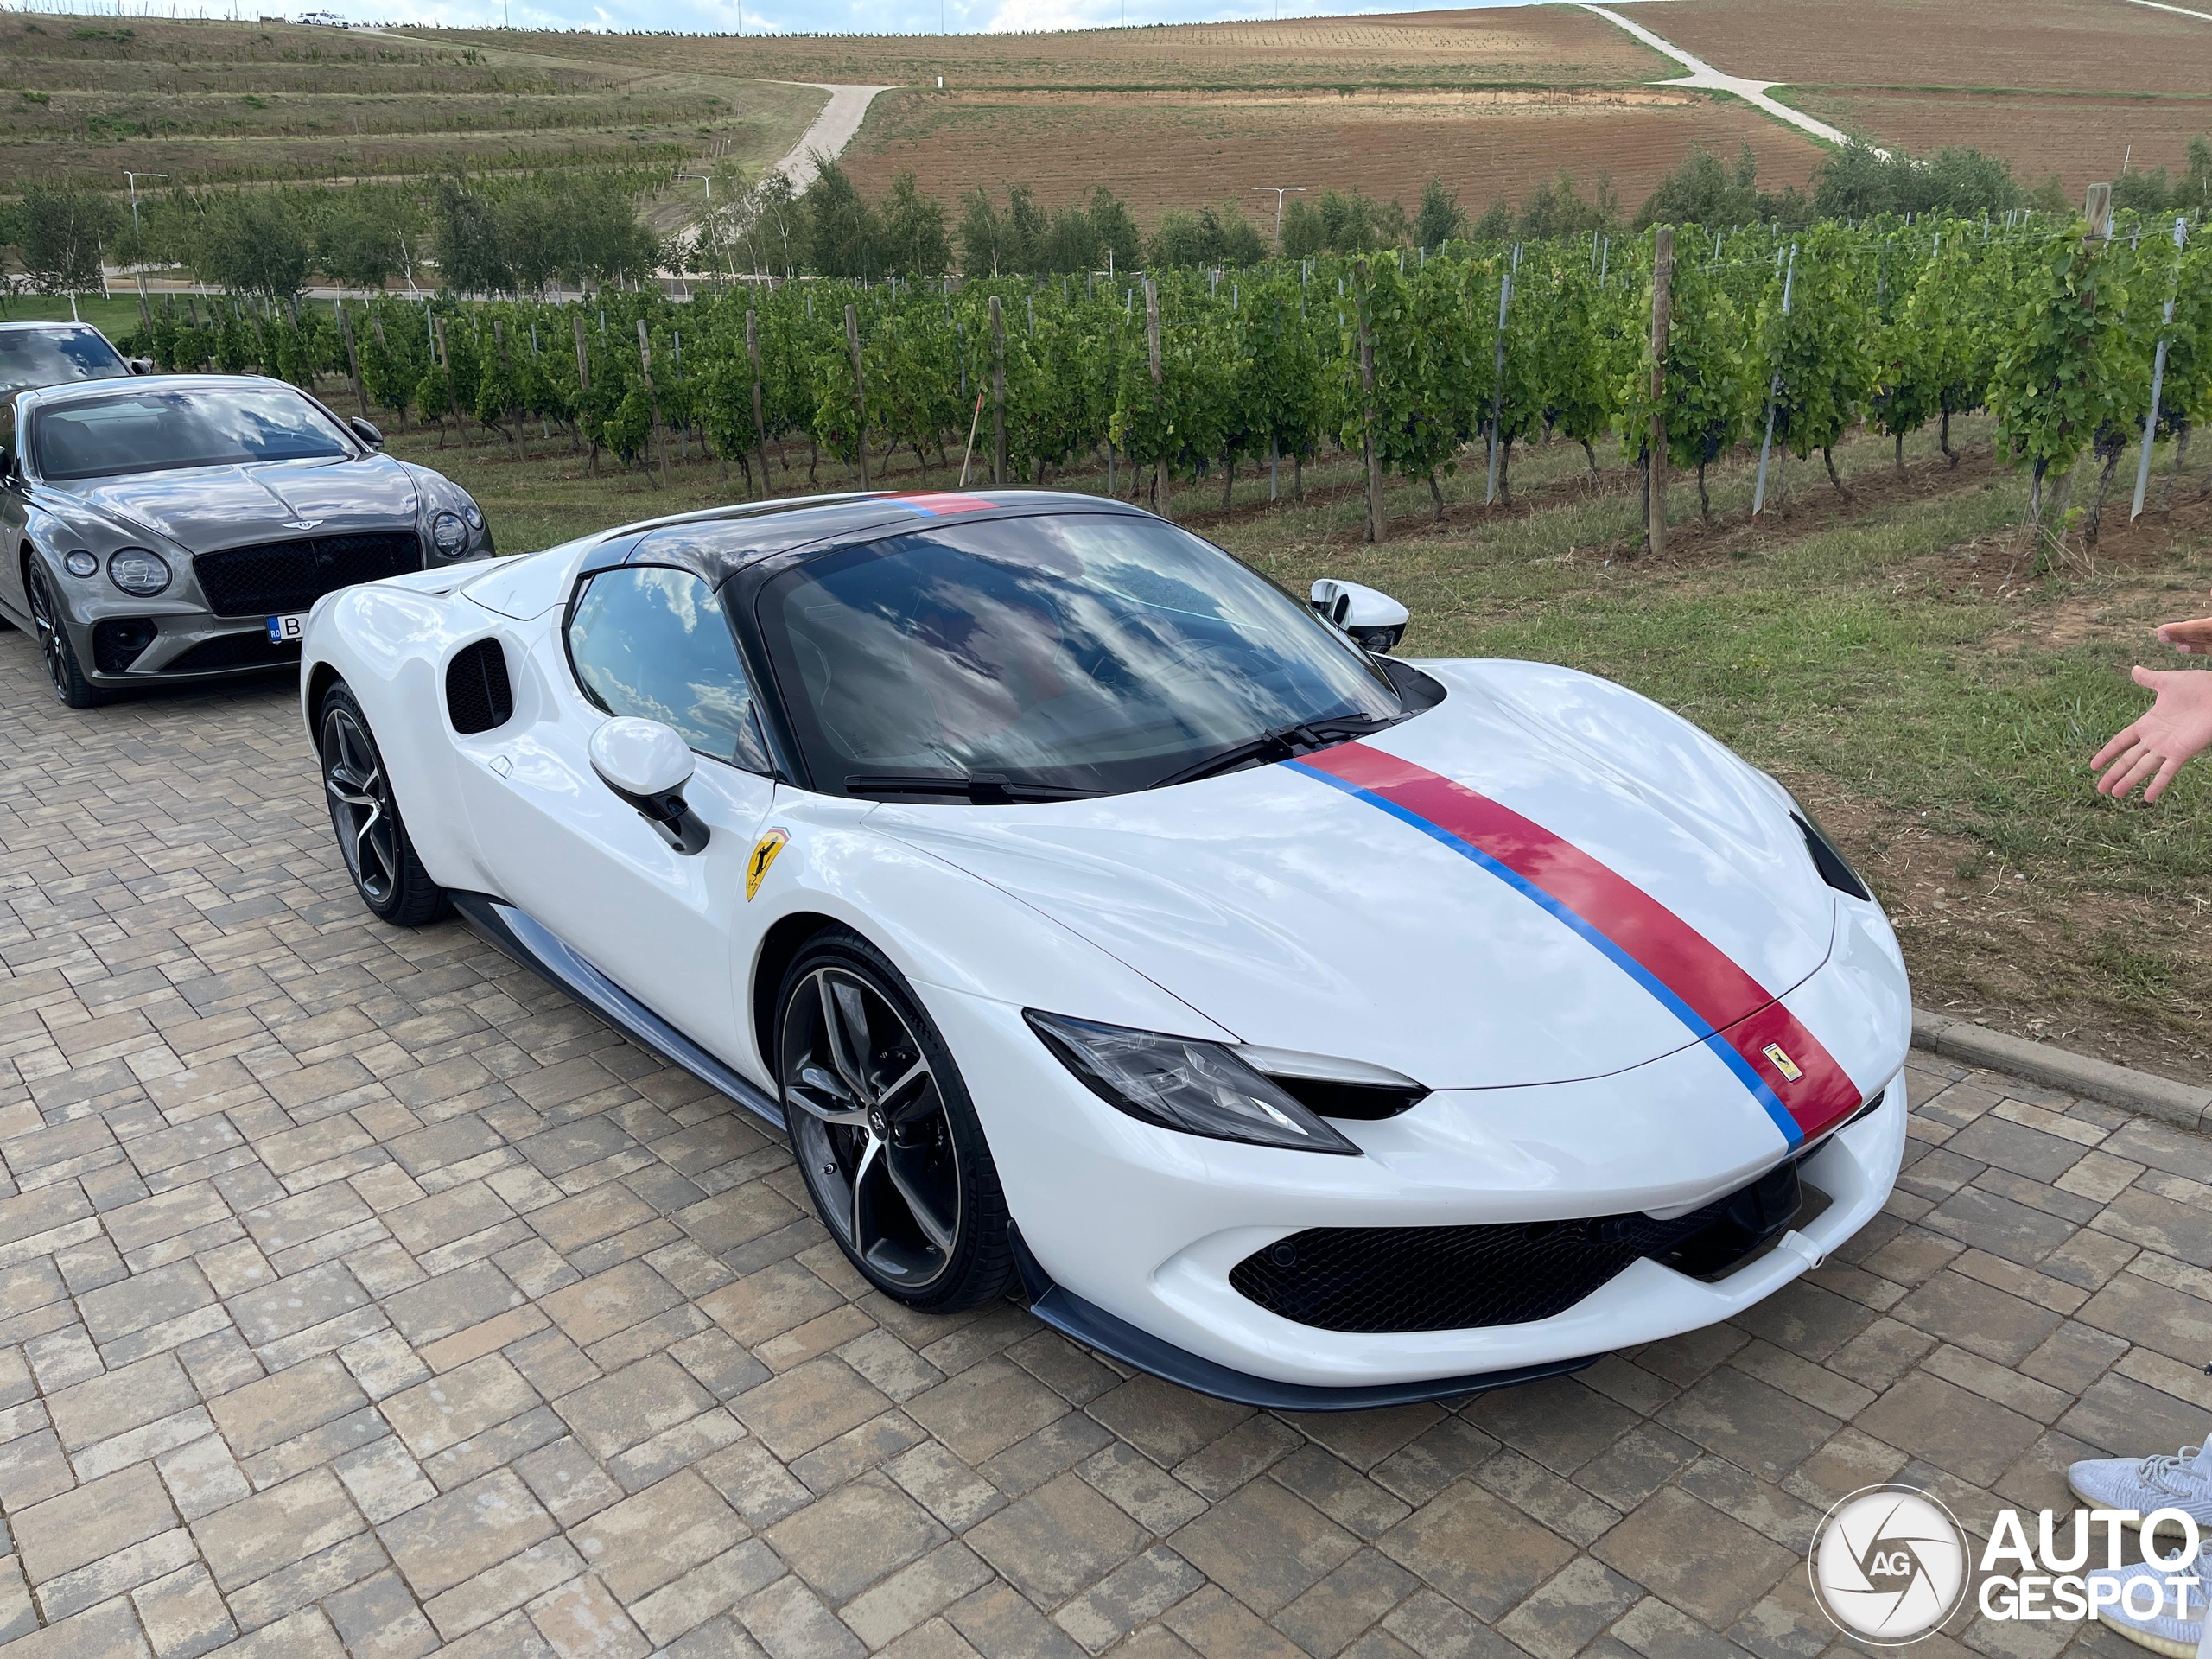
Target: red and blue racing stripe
(1689, 976)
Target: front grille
(478, 696)
(1378, 1279)
(280, 577)
(233, 651)
(117, 641)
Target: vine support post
(859, 388)
(2158, 383)
(1773, 396)
(1497, 377)
(352, 357)
(760, 426)
(508, 368)
(445, 362)
(1159, 480)
(998, 394)
(653, 397)
(1662, 305)
(1377, 527)
(583, 358)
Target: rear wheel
(371, 835)
(885, 1133)
(71, 689)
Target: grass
(1899, 663)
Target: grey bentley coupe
(171, 528)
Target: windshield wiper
(979, 788)
(1281, 743)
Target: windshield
(1085, 653)
(50, 357)
(157, 430)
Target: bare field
(2081, 139)
(2058, 45)
(1545, 45)
(80, 97)
(1160, 149)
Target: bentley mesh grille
(1378, 1279)
(478, 694)
(233, 651)
(274, 577)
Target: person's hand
(2175, 728)
(2192, 636)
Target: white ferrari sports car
(1305, 1026)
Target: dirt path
(832, 130)
(1704, 78)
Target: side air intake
(478, 696)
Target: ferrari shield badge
(1774, 1051)
(764, 854)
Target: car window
(52, 357)
(654, 642)
(146, 430)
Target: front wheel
(372, 837)
(63, 672)
(886, 1135)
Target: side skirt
(1117, 1338)
(538, 950)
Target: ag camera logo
(1889, 1565)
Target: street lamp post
(1280, 192)
(133, 178)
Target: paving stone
(1264, 1545)
(1730, 1568)
(642, 1543)
(844, 1542)
(273, 1528)
(1475, 1549)
(459, 1533)
(77, 1528)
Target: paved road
(357, 1291)
(1703, 76)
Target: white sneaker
(2177, 1626)
(2181, 1481)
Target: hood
(203, 508)
(1300, 916)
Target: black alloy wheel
(372, 837)
(884, 1131)
(63, 672)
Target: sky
(783, 16)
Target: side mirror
(141, 365)
(647, 765)
(366, 432)
(1374, 619)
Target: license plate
(286, 628)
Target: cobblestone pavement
(359, 1292)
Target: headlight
(81, 564)
(448, 534)
(474, 514)
(137, 571)
(1180, 1082)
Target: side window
(654, 642)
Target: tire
(63, 672)
(372, 837)
(886, 1135)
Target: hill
(206, 103)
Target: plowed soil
(2064, 45)
(1547, 45)
(1163, 150)
(2081, 139)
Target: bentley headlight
(449, 535)
(137, 571)
(81, 564)
(1181, 1083)
(474, 514)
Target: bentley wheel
(885, 1133)
(63, 672)
(372, 837)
